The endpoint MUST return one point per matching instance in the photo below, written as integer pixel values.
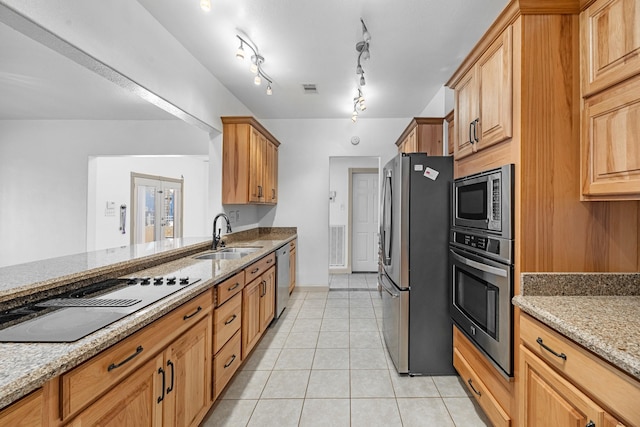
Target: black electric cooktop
(76, 314)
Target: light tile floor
(323, 363)
(353, 281)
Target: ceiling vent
(309, 88)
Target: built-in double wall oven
(481, 262)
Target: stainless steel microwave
(483, 201)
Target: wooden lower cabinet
(251, 316)
(27, 412)
(172, 389)
(133, 402)
(268, 299)
(188, 376)
(292, 266)
(575, 385)
(482, 380)
(550, 399)
(258, 308)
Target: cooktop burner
(75, 314)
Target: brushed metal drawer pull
(231, 319)
(114, 366)
(189, 316)
(473, 388)
(256, 270)
(234, 286)
(230, 361)
(560, 355)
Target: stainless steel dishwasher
(282, 279)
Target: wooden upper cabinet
(451, 135)
(422, 135)
(249, 162)
(610, 61)
(484, 99)
(610, 148)
(610, 43)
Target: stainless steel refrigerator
(413, 273)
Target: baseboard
(342, 270)
(311, 288)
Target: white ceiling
(416, 45)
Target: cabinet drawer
(229, 288)
(259, 267)
(604, 383)
(489, 404)
(226, 321)
(88, 381)
(226, 363)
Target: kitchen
(380, 132)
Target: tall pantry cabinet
(517, 100)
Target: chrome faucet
(216, 237)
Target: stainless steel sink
(229, 253)
(247, 249)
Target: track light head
(365, 33)
(269, 90)
(240, 52)
(362, 82)
(257, 80)
(205, 5)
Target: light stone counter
(27, 366)
(600, 311)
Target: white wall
(303, 179)
(110, 180)
(44, 176)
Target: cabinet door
(189, 380)
(292, 269)
(136, 402)
(550, 400)
(610, 149)
(257, 153)
(466, 112)
(451, 137)
(495, 92)
(250, 316)
(267, 298)
(610, 43)
(27, 412)
(271, 173)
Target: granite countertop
(599, 311)
(27, 366)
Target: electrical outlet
(232, 216)
(237, 215)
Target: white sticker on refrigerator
(431, 173)
(418, 168)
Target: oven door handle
(479, 266)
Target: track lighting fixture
(358, 104)
(362, 47)
(205, 5)
(256, 62)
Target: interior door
(157, 209)
(364, 222)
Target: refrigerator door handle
(382, 279)
(387, 212)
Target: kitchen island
(581, 331)
(28, 366)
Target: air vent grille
(309, 88)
